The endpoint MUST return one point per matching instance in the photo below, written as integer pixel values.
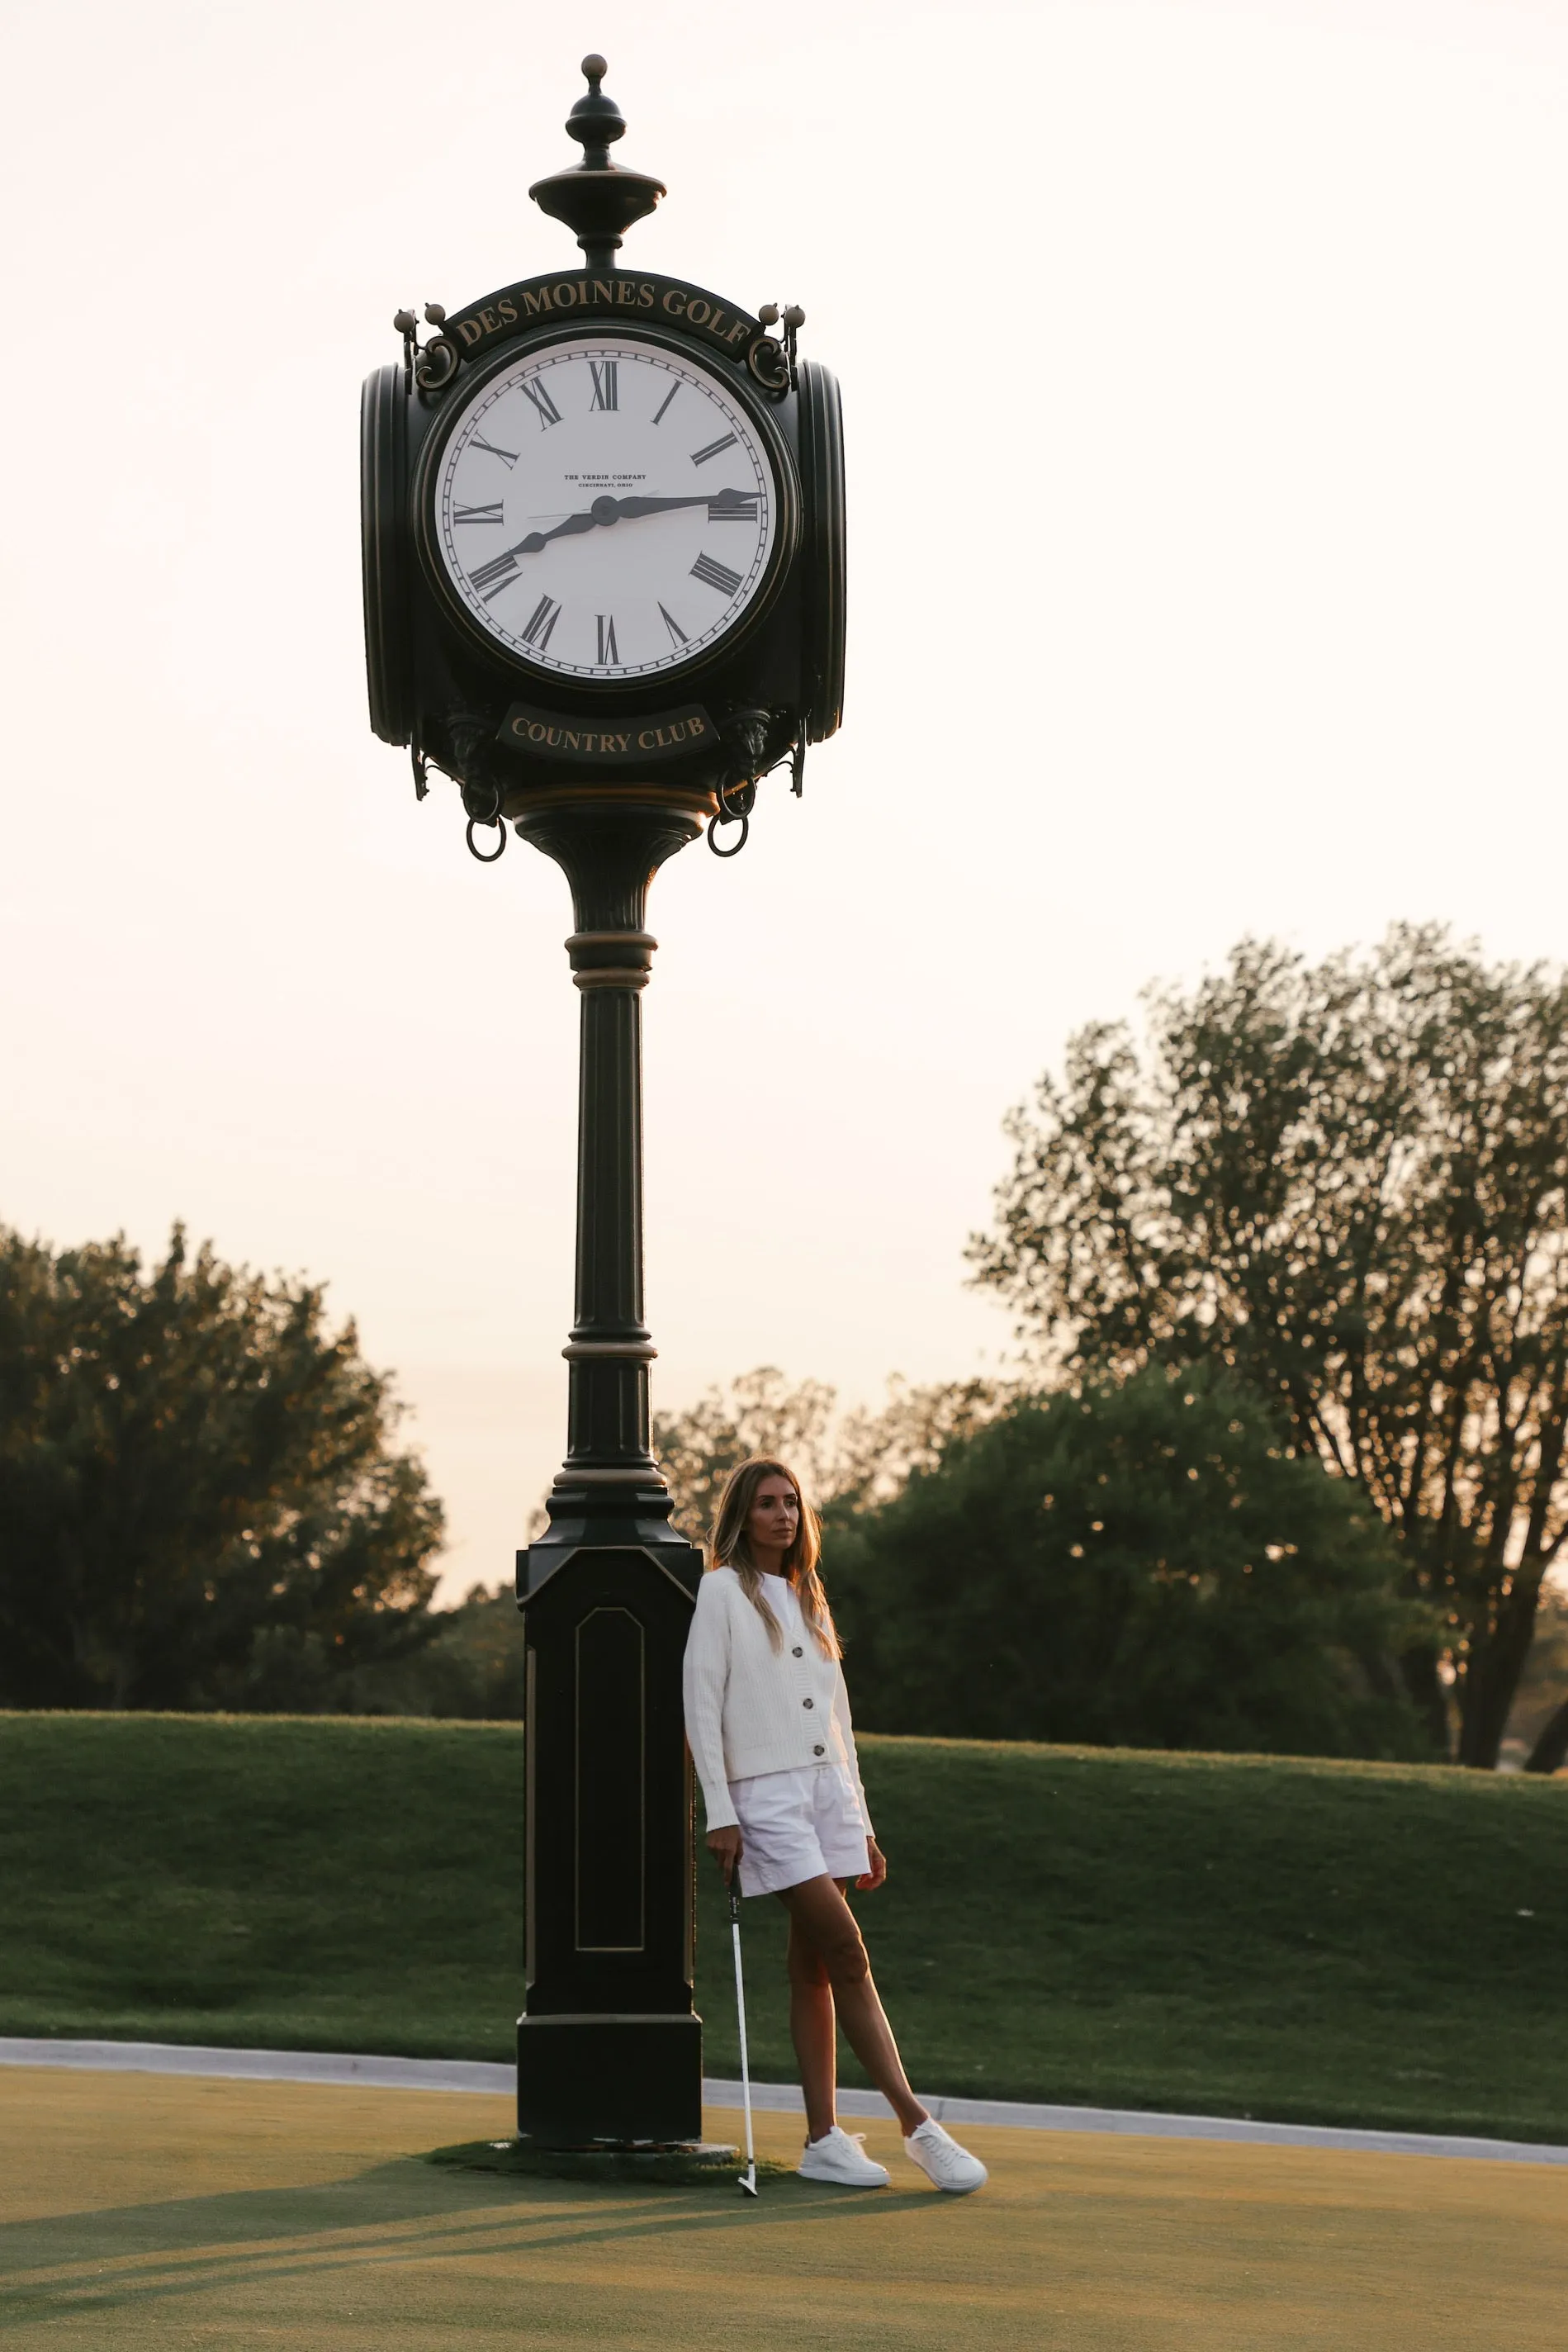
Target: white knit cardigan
(751, 1708)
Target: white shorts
(806, 1823)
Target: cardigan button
(808, 1702)
(796, 1653)
(819, 1751)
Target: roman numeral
(492, 577)
(604, 384)
(540, 622)
(715, 575)
(659, 412)
(608, 651)
(732, 506)
(701, 457)
(508, 456)
(678, 634)
(478, 514)
(532, 389)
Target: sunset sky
(1205, 371)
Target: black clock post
(605, 633)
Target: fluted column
(610, 1349)
(609, 842)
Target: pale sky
(1205, 371)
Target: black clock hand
(567, 530)
(731, 500)
(608, 510)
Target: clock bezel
(780, 457)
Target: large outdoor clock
(603, 524)
(607, 509)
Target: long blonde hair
(730, 1547)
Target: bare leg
(823, 1925)
(812, 2031)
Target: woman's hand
(726, 1848)
(876, 1873)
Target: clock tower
(604, 534)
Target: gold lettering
(508, 310)
(698, 728)
(644, 297)
(573, 739)
(675, 302)
(713, 322)
(489, 321)
(626, 289)
(535, 732)
(645, 739)
(470, 330)
(603, 291)
(565, 295)
(618, 742)
(706, 309)
(741, 327)
(534, 303)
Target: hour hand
(567, 530)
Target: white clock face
(605, 509)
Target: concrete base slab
(694, 2164)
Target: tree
(1145, 1564)
(201, 1502)
(1541, 1710)
(846, 1463)
(1349, 1182)
(468, 1663)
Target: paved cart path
(157, 2210)
(474, 2074)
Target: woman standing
(768, 1722)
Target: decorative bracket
(432, 365)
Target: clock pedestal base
(585, 2081)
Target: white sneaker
(836, 2157)
(942, 2159)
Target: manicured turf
(152, 2212)
(1354, 1944)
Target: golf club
(749, 2178)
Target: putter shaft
(749, 2178)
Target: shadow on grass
(401, 2212)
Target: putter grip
(735, 1892)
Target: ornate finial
(595, 121)
(596, 198)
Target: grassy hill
(1322, 1942)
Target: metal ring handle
(499, 823)
(738, 818)
(746, 793)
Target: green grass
(1322, 1942)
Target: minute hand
(734, 501)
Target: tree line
(1281, 1463)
